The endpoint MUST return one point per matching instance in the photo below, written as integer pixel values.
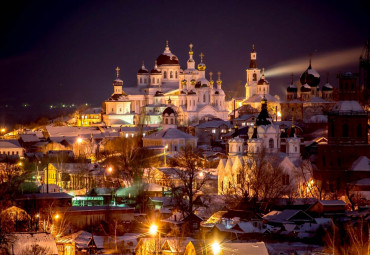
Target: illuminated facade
(193, 95)
(89, 117)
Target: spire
(210, 79)
(201, 57)
(291, 82)
(142, 65)
(310, 55)
(155, 64)
(169, 100)
(117, 70)
(253, 50)
(219, 81)
(167, 48)
(191, 49)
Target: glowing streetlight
(37, 215)
(56, 216)
(201, 174)
(153, 230)
(20, 164)
(279, 114)
(164, 152)
(79, 140)
(216, 248)
(110, 169)
(3, 130)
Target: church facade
(193, 96)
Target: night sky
(66, 51)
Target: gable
(301, 216)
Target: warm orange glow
(153, 229)
(79, 140)
(110, 169)
(216, 248)
(20, 164)
(56, 216)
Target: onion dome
(201, 65)
(167, 58)
(182, 92)
(263, 81)
(155, 70)
(254, 131)
(306, 88)
(327, 86)
(159, 94)
(142, 70)
(310, 76)
(292, 87)
(191, 92)
(183, 82)
(192, 82)
(219, 81)
(202, 82)
(169, 111)
(263, 117)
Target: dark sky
(66, 51)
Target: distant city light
(153, 229)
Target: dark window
(166, 120)
(345, 130)
(171, 74)
(359, 131)
(323, 161)
(271, 143)
(254, 77)
(222, 186)
(171, 121)
(332, 130)
(165, 74)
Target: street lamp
(110, 169)
(153, 230)
(216, 248)
(164, 152)
(79, 141)
(56, 216)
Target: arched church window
(157, 80)
(255, 77)
(171, 121)
(166, 121)
(171, 75)
(204, 98)
(295, 148)
(264, 90)
(271, 143)
(141, 80)
(359, 131)
(239, 148)
(165, 74)
(153, 80)
(345, 130)
(176, 74)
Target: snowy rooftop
(332, 202)
(9, 144)
(347, 107)
(361, 164)
(257, 99)
(23, 242)
(257, 248)
(171, 133)
(214, 124)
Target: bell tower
(253, 75)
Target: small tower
(219, 81)
(191, 62)
(155, 76)
(236, 146)
(291, 91)
(327, 89)
(293, 143)
(169, 118)
(263, 86)
(143, 77)
(255, 144)
(306, 90)
(253, 75)
(117, 84)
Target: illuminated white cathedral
(189, 92)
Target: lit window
(243, 124)
(214, 131)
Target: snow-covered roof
(29, 138)
(9, 144)
(171, 133)
(347, 107)
(257, 99)
(313, 72)
(318, 119)
(361, 164)
(24, 241)
(333, 202)
(257, 248)
(214, 124)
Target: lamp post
(79, 141)
(216, 248)
(153, 230)
(164, 152)
(3, 130)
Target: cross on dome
(219, 75)
(201, 57)
(210, 75)
(117, 70)
(191, 49)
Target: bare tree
(190, 176)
